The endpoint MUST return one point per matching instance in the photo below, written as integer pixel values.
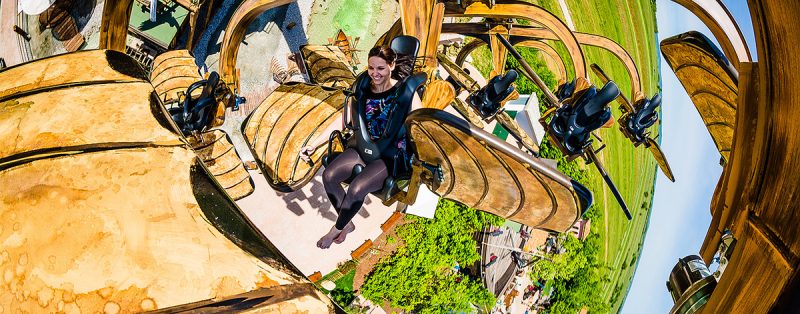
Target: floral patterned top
(379, 107)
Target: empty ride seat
(195, 113)
(574, 122)
(644, 117)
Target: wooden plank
(224, 163)
(114, 24)
(438, 95)
(710, 84)
(80, 68)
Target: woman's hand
(306, 152)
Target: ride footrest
(434, 171)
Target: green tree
(578, 276)
(419, 276)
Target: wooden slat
(224, 163)
(438, 95)
(327, 65)
(486, 173)
(85, 67)
(82, 115)
(173, 72)
(710, 85)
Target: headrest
(405, 45)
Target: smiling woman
(379, 107)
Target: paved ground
(9, 51)
(293, 222)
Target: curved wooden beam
(551, 53)
(529, 43)
(467, 49)
(234, 34)
(757, 195)
(423, 20)
(538, 33)
(114, 24)
(526, 11)
(719, 20)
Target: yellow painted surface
(76, 234)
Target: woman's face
(379, 70)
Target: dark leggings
(369, 180)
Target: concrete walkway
(294, 222)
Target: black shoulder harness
(385, 146)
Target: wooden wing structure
(105, 206)
(290, 117)
(327, 65)
(756, 197)
(711, 82)
(488, 174)
(173, 72)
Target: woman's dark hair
(402, 64)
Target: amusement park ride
(145, 183)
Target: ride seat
(565, 90)
(573, 123)
(489, 98)
(195, 114)
(399, 169)
(405, 45)
(644, 117)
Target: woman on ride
(385, 71)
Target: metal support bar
(611, 185)
(529, 71)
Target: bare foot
(350, 227)
(326, 240)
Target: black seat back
(199, 110)
(647, 115)
(565, 90)
(489, 98)
(405, 45)
(593, 110)
(573, 123)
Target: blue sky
(681, 210)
